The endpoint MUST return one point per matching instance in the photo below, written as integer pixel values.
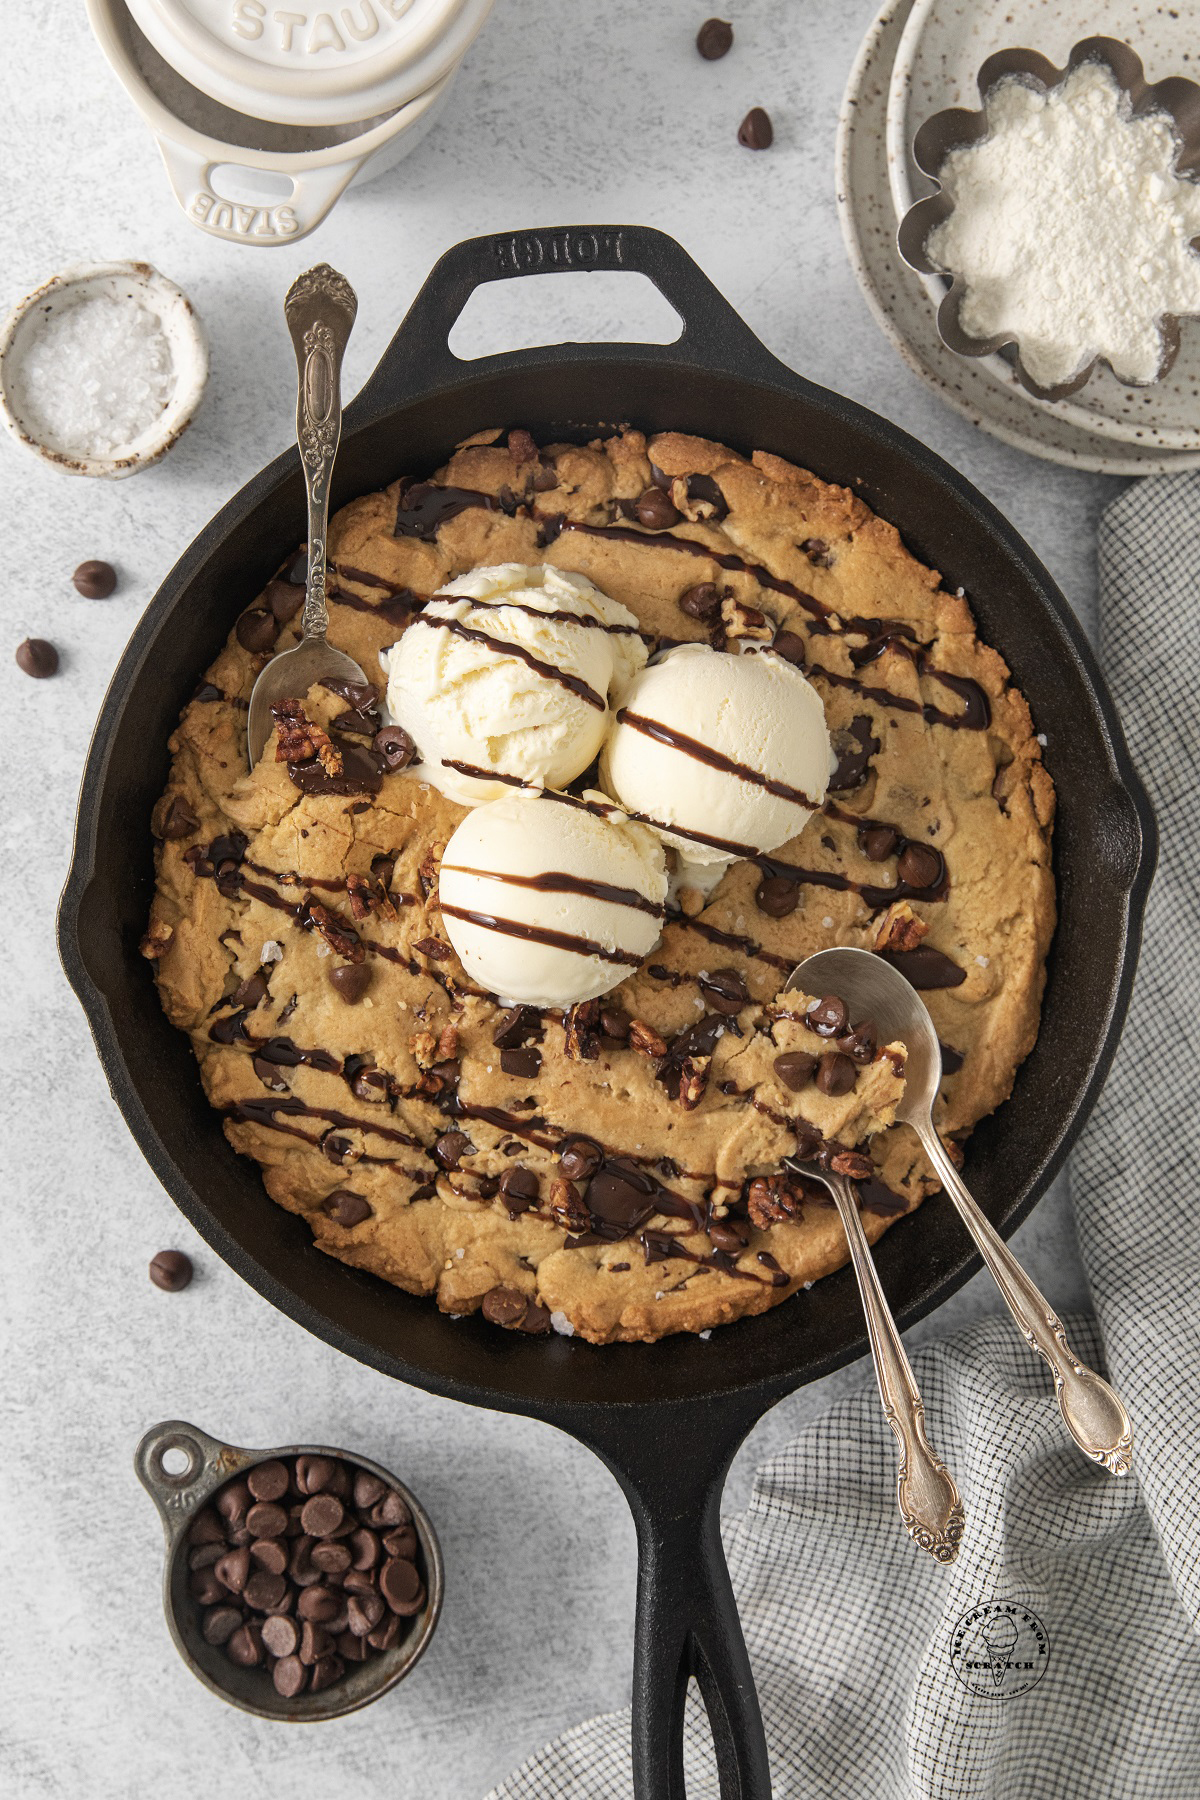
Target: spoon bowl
(872, 989)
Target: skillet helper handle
(1091, 1410)
(419, 358)
(687, 1624)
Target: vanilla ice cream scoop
(549, 902)
(726, 755)
(505, 677)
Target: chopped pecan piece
(899, 928)
(566, 1207)
(433, 948)
(368, 895)
(770, 1200)
(521, 446)
(645, 1040)
(745, 621)
(424, 1048)
(300, 740)
(427, 870)
(157, 940)
(693, 1079)
(447, 1044)
(581, 1029)
(342, 939)
(853, 1164)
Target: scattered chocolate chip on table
(714, 39)
(95, 580)
(171, 1270)
(756, 131)
(302, 1566)
(37, 658)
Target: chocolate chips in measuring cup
(302, 1566)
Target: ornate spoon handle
(925, 1493)
(1092, 1412)
(320, 310)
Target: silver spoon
(320, 310)
(1092, 1412)
(925, 1492)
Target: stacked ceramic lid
(920, 58)
(302, 98)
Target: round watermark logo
(999, 1649)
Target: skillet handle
(673, 1472)
(419, 360)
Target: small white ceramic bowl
(130, 281)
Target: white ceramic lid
(302, 64)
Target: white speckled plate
(901, 306)
(942, 46)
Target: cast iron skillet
(665, 1418)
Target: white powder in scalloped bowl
(1070, 228)
(94, 377)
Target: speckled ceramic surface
(902, 308)
(939, 54)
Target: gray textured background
(566, 111)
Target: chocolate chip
(350, 1647)
(524, 1063)
(386, 1633)
(95, 580)
(220, 1623)
(266, 1519)
(725, 991)
(391, 1509)
(450, 1147)
(368, 1489)
(756, 131)
(791, 646)
(504, 1305)
(395, 746)
(351, 981)
(400, 1585)
(514, 1027)
(701, 601)
(269, 1554)
(836, 1074)
(795, 1068)
(828, 1018)
(519, 1187)
(325, 1674)
(536, 1321)
(284, 599)
(245, 1647)
(366, 1610)
(173, 818)
(331, 1558)
(878, 842)
(920, 866)
(346, 1209)
(290, 1677)
(655, 511)
(318, 1604)
(714, 39)
(233, 1570)
(264, 1591)
(206, 1528)
(402, 1542)
(580, 1159)
(777, 896)
(171, 1270)
(281, 1635)
(37, 658)
(861, 1043)
(269, 1481)
(729, 1235)
(321, 1516)
(206, 1586)
(364, 1548)
(315, 1474)
(257, 630)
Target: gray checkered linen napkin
(871, 1688)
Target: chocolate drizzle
(542, 934)
(424, 506)
(558, 881)
(502, 647)
(715, 759)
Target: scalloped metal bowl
(956, 127)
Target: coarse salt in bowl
(102, 369)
